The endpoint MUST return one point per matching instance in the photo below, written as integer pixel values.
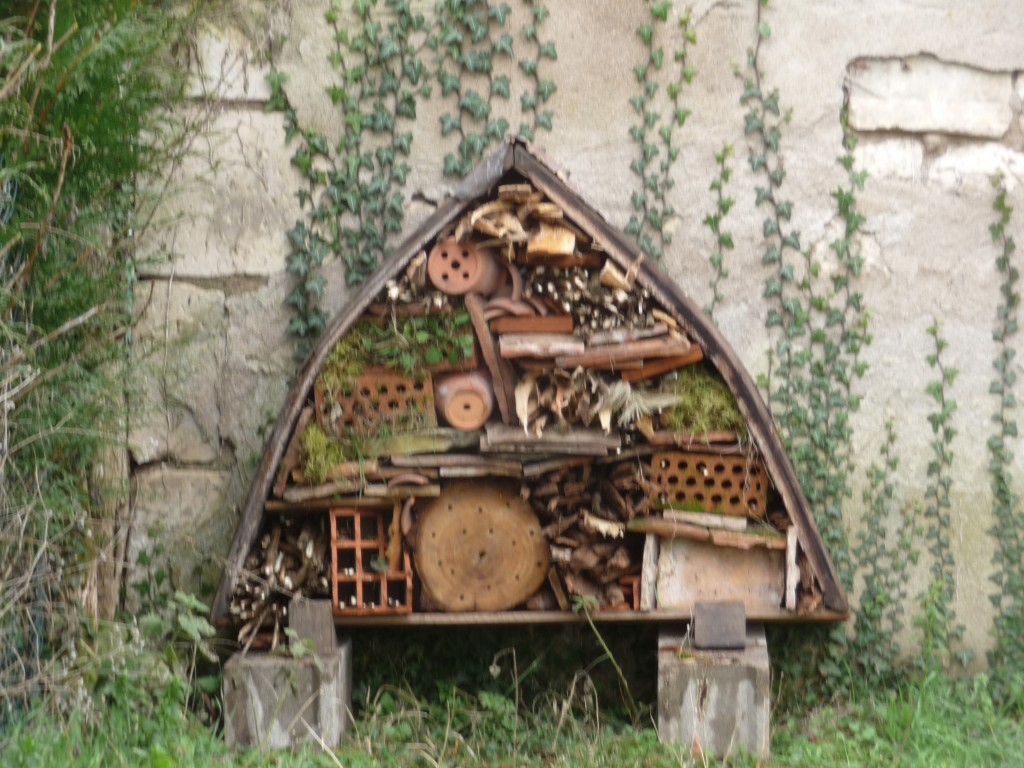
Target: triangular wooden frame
(521, 159)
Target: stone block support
(280, 701)
(715, 701)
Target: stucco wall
(935, 94)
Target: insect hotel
(516, 418)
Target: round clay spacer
(457, 268)
(464, 400)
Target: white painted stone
(231, 203)
(890, 158)
(178, 347)
(179, 519)
(921, 93)
(972, 166)
(225, 67)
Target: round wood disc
(479, 547)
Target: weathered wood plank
(671, 529)
(512, 345)
(622, 335)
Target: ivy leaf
(500, 86)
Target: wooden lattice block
(361, 583)
(374, 402)
(707, 482)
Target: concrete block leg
(717, 701)
(280, 701)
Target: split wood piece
(707, 519)
(456, 460)
(479, 547)
(513, 345)
(533, 324)
(632, 350)
(612, 277)
(555, 582)
(582, 441)
(504, 391)
(515, 193)
(551, 240)
(393, 549)
(537, 468)
(293, 454)
(649, 573)
(621, 335)
(792, 569)
(346, 470)
(539, 209)
(659, 367)
(671, 529)
(297, 495)
(583, 259)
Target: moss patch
(320, 454)
(705, 405)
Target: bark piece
(659, 367)
(631, 350)
(504, 390)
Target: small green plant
(654, 134)
(714, 221)
(1008, 531)
(320, 454)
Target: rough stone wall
(935, 93)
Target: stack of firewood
(289, 558)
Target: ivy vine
(386, 64)
(654, 133)
(937, 620)
(714, 221)
(1008, 531)
(884, 553)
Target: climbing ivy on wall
(655, 131)
(1008, 532)
(818, 324)
(386, 64)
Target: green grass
(935, 721)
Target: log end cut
(479, 547)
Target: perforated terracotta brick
(361, 584)
(374, 401)
(728, 485)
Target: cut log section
(479, 547)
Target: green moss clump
(320, 454)
(344, 363)
(705, 405)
